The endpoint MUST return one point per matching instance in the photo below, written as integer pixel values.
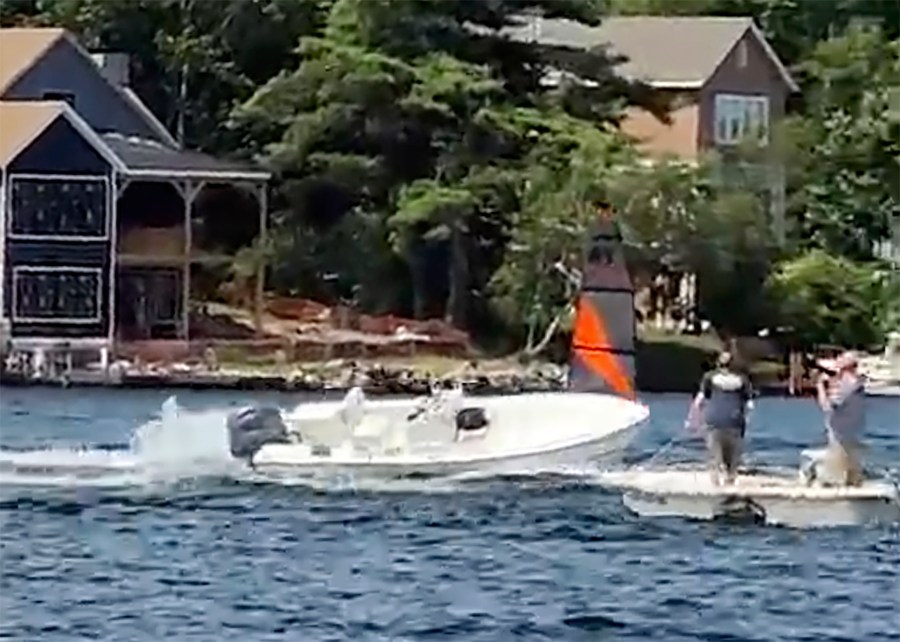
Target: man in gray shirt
(843, 399)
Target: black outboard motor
(249, 429)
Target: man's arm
(748, 394)
(699, 399)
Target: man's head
(724, 359)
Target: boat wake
(175, 446)
(182, 446)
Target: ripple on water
(222, 559)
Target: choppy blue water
(529, 559)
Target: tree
(827, 299)
(560, 185)
(191, 59)
(403, 109)
(677, 220)
(849, 145)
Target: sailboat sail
(603, 338)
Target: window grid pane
(62, 294)
(58, 207)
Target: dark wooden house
(104, 215)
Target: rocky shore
(375, 379)
(476, 377)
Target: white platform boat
(882, 371)
(446, 434)
(773, 496)
(450, 434)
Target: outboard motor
(249, 429)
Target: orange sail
(603, 345)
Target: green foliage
(192, 58)
(677, 218)
(828, 299)
(849, 144)
(422, 166)
(559, 190)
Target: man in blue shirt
(723, 402)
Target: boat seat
(337, 427)
(437, 426)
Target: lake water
(225, 558)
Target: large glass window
(741, 116)
(53, 295)
(58, 207)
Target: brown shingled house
(725, 81)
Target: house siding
(59, 150)
(759, 76)
(63, 68)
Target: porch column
(259, 299)
(119, 185)
(189, 190)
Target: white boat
(446, 434)
(778, 497)
(450, 434)
(882, 372)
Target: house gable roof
(22, 122)
(664, 52)
(22, 48)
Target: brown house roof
(20, 48)
(666, 52)
(21, 123)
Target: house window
(58, 207)
(56, 294)
(63, 96)
(741, 116)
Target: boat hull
(606, 451)
(883, 389)
(529, 433)
(762, 498)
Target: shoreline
(375, 382)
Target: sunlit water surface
(193, 548)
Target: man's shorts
(725, 447)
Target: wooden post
(189, 191)
(119, 185)
(263, 201)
